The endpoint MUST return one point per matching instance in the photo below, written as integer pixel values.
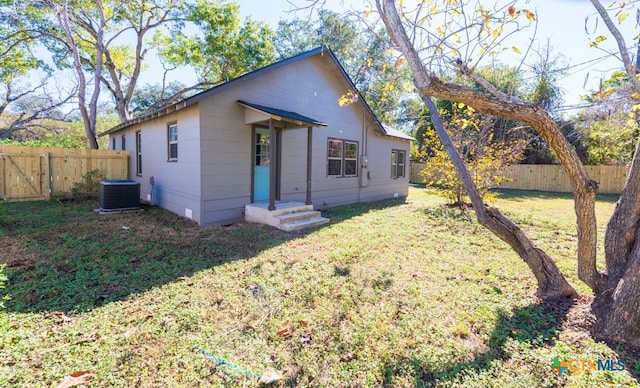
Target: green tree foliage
(221, 47)
(609, 127)
(109, 37)
(151, 96)
(538, 86)
(507, 78)
(473, 136)
(107, 42)
(28, 93)
(62, 134)
(362, 49)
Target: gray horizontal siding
(224, 211)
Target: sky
(561, 21)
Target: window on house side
(350, 158)
(173, 142)
(398, 163)
(342, 158)
(138, 153)
(123, 143)
(113, 143)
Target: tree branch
(498, 104)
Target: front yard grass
(395, 293)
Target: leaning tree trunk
(616, 306)
(617, 289)
(551, 283)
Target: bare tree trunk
(618, 289)
(616, 306)
(551, 283)
(616, 309)
(88, 114)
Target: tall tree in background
(617, 289)
(107, 42)
(609, 127)
(152, 96)
(88, 106)
(28, 93)
(99, 33)
(222, 47)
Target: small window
(123, 143)
(113, 143)
(342, 158)
(172, 137)
(398, 158)
(138, 153)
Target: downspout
(364, 170)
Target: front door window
(261, 165)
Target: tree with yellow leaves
(486, 158)
(425, 35)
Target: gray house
(269, 146)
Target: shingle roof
(396, 133)
(322, 50)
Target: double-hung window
(342, 158)
(172, 137)
(398, 163)
(138, 153)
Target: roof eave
(206, 93)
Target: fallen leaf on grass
(270, 376)
(286, 332)
(129, 333)
(90, 338)
(66, 318)
(348, 357)
(75, 379)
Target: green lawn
(396, 294)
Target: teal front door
(262, 164)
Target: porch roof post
(272, 166)
(309, 163)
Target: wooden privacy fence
(550, 177)
(33, 173)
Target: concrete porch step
(302, 224)
(288, 216)
(298, 216)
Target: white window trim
(342, 158)
(138, 153)
(172, 142)
(401, 160)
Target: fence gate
(24, 177)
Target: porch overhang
(278, 120)
(260, 114)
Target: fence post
(47, 175)
(3, 186)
